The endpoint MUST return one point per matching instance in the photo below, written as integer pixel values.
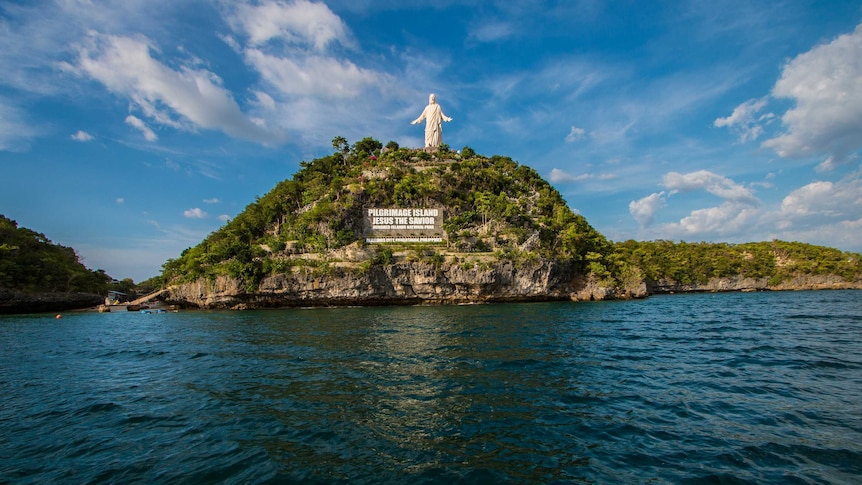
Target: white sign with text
(403, 225)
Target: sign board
(403, 225)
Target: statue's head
(432, 98)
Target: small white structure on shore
(114, 297)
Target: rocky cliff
(742, 283)
(414, 283)
(407, 283)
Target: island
(375, 225)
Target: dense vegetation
(495, 207)
(696, 263)
(30, 262)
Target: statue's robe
(433, 116)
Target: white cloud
(728, 218)
(120, 200)
(224, 217)
(142, 127)
(821, 212)
(570, 78)
(82, 135)
(832, 162)
(841, 234)
(492, 31)
(744, 120)
(124, 65)
(644, 209)
(15, 131)
(738, 208)
(808, 200)
(714, 184)
(195, 213)
(313, 75)
(309, 85)
(575, 134)
(214, 200)
(826, 85)
(231, 42)
(822, 202)
(308, 24)
(558, 176)
(264, 100)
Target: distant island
(384, 225)
(375, 225)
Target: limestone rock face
(740, 283)
(416, 283)
(593, 290)
(818, 282)
(734, 283)
(407, 283)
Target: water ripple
(711, 388)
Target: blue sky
(130, 130)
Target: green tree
(341, 145)
(368, 146)
(30, 262)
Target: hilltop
(341, 232)
(504, 234)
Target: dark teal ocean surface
(707, 388)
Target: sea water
(721, 388)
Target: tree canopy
(30, 262)
(696, 263)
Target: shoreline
(61, 306)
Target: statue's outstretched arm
(420, 118)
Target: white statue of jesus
(434, 118)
